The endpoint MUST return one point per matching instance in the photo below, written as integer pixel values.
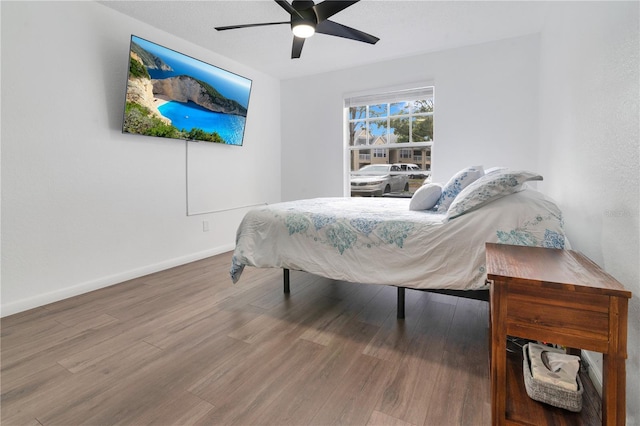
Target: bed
(382, 241)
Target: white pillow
(488, 188)
(425, 197)
(457, 183)
(494, 170)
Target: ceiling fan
(308, 18)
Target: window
(391, 128)
(406, 154)
(379, 153)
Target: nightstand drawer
(581, 320)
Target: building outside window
(392, 128)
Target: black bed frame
(468, 294)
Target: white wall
(83, 205)
(486, 112)
(589, 144)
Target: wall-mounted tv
(172, 95)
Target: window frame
(373, 142)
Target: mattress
(381, 241)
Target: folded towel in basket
(553, 366)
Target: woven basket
(548, 393)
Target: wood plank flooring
(185, 346)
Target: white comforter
(380, 241)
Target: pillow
(457, 183)
(425, 197)
(488, 188)
(494, 170)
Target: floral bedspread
(381, 241)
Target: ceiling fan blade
(296, 49)
(333, 28)
(328, 8)
(233, 27)
(286, 6)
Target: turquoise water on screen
(186, 116)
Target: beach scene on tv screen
(175, 96)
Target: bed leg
(400, 313)
(285, 277)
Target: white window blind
(389, 97)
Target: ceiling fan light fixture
(303, 30)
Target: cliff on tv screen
(172, 95)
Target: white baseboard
(594, 371)
(75, 290)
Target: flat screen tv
(172, 95)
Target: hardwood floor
(185, 346)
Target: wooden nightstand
(557, 296)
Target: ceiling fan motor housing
(307, 16)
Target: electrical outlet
(205, 226)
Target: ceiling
(405, 28)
